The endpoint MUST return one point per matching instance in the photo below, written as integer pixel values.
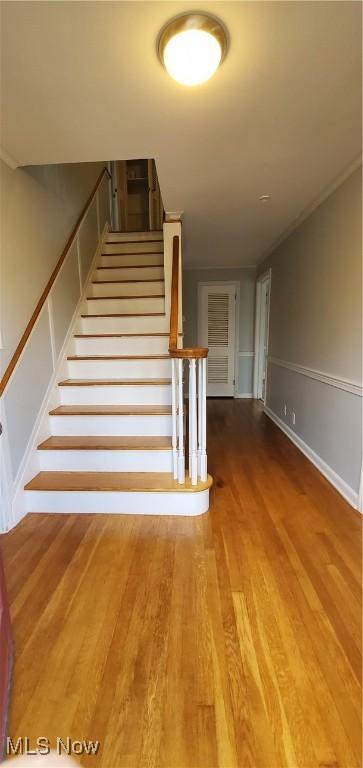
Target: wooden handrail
(9, 370)
(185, 352)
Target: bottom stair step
(144, 493)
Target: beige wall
(316, 323)
(39, 206)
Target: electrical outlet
(285, 409)
(293, 417)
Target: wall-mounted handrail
(12, 364)
(197, 391)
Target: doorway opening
(263, 290)
(137, 203)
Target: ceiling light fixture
(264, 198)
(191, 47)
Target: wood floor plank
(226, 641)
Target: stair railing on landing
(197, 392)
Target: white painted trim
(264, 277)
(326, 378)
(186, 504)
(244, 395)
(244, 353)
(194, 267)
(8, 160)
(360, 496)
(30, 462)
(306, 212)
(348, 493)
(237, 287)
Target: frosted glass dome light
(191, 48)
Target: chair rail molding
(354, 387)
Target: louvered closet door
(217, 317)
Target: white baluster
(193, 466)
(181, 458)
(199, 453)
(174, 418)
(203, 447)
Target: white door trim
(236, 285)
(261, 280)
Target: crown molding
(8, 160)
(306, 212)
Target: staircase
(110, 444)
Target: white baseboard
(339, 484)
(244, 395)
(30, 462)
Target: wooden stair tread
(156, 482)
(105, 443)
(120, 335)
(132, 266)
(131, 242)
(138, 296)
(118, 357)
(137, 232)
(114, 282)
(111, 410)
(133, 253)
(126, 314)
(113, 382)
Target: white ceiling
(81, 81)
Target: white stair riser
(114, 395)
(141, 426)
(130, 273)
(149, 247)
(127, 289)
(124, 306)
(119, 369)
(125, 345)
(136, 237)
(136, 324)
(121, 503)
(143, 259)
(106, 461)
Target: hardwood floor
(231, 640)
